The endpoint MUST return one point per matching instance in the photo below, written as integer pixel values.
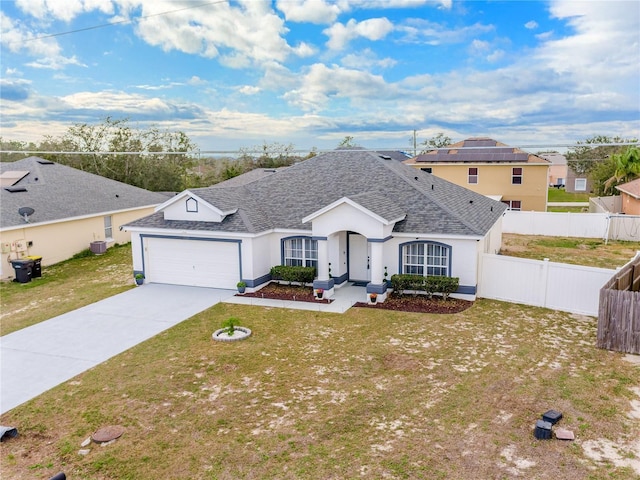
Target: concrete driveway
(36, 359)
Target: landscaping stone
(107, 434)
(564, 434)
(86, 442)
(84, 451)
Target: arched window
(300, 251)
(192, 205)
(426, 258)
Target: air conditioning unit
(98, 247)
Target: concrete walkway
(37, 358)
(344, 298)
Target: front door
(359, 258)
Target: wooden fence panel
(619, 311)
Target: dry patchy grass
(367, 394)
(590, 252)
(64, 287)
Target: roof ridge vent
(385, 157)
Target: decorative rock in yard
(564, 434)
(239, 333)
(107, 434)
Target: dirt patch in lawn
(294, 293)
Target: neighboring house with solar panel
(352, 214)
(510, 175)
(54, 211)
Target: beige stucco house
(630, 196)
(54, 211)
(513, 176)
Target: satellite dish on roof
(25, 212)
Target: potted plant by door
(319, 293)
(241, 286)
(139, 277)
(373, 297)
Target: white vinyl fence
(559, 286)
(564, 224)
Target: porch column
(323, 259)
(377, 268)
(323, 281)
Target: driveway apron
(38, 358)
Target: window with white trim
(516, 176)
(108, 228)
(580, 185)
(513, 204)
(301, 252)
(426, 258)
(473, 175)
(192, 205)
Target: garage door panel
(201, 263)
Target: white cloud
(196, 81)
(372, 29)
(366, 60)
(322, 83)
(312, 11)
(249, 90)
(250, 33)
(421, 31)
(603, 54)
(65, 10)
(531, 25)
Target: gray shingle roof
(284, 198)
(57, 192)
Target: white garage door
(199, 263)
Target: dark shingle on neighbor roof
(58, 192)
(474, 150)
(283, 199)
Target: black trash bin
(23, 268)
(37, 265)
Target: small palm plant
(230, 325)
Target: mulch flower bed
(402, 303)
(419, 304)
(296, 293)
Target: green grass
(65, 286)
(590, 252)
(560, 195)
(568, 209)
(366, 394)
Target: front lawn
(64, 287)
(366, 394)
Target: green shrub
(291, 274)
(431, 285)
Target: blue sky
(235, 74)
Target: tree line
(167, 160)
(154, 159)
